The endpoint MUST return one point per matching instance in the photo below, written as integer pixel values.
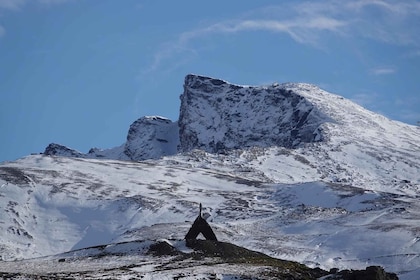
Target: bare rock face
(216, 115)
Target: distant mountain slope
(55, 204)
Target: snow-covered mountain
(286, 169)
(148, 138)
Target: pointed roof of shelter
(200, 225)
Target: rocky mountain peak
(54, 149)
(151, 137)
(205, 84)
(216, 115)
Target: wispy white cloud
(302, 30)
(52, 2)
(365, 99)
(403, 108)
(406, 108)
(383, 71)
(410, 116)
(395, 22)
(12, 4)
(18, 5)
(395, 7)
(415, 53)
(389, 21)
(294, 27)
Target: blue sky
(79, 72)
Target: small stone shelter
(200, 225)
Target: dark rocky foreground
(279, 269)
(203, 259)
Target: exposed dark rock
(60, 150)
(370, 273)
(162, 248)
(233, 254)
(14, 175)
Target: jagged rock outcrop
(148, 138)
(151, 138)
(216, 115)
(54, 149)
(371, 272)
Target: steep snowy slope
(327, 129)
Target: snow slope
(343, 193)
(55, 204)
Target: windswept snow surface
(52, 205)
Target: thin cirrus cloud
(308, 22)
(12, 4)
(365, 99)
(18, 5)
(52, 2)
(383, 71)
(304, 31)
(296, 28)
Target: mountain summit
(216, 116)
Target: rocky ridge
(149, 137)
(214, 116)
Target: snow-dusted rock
(216, 115)
(54, 149)
(151, 138)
